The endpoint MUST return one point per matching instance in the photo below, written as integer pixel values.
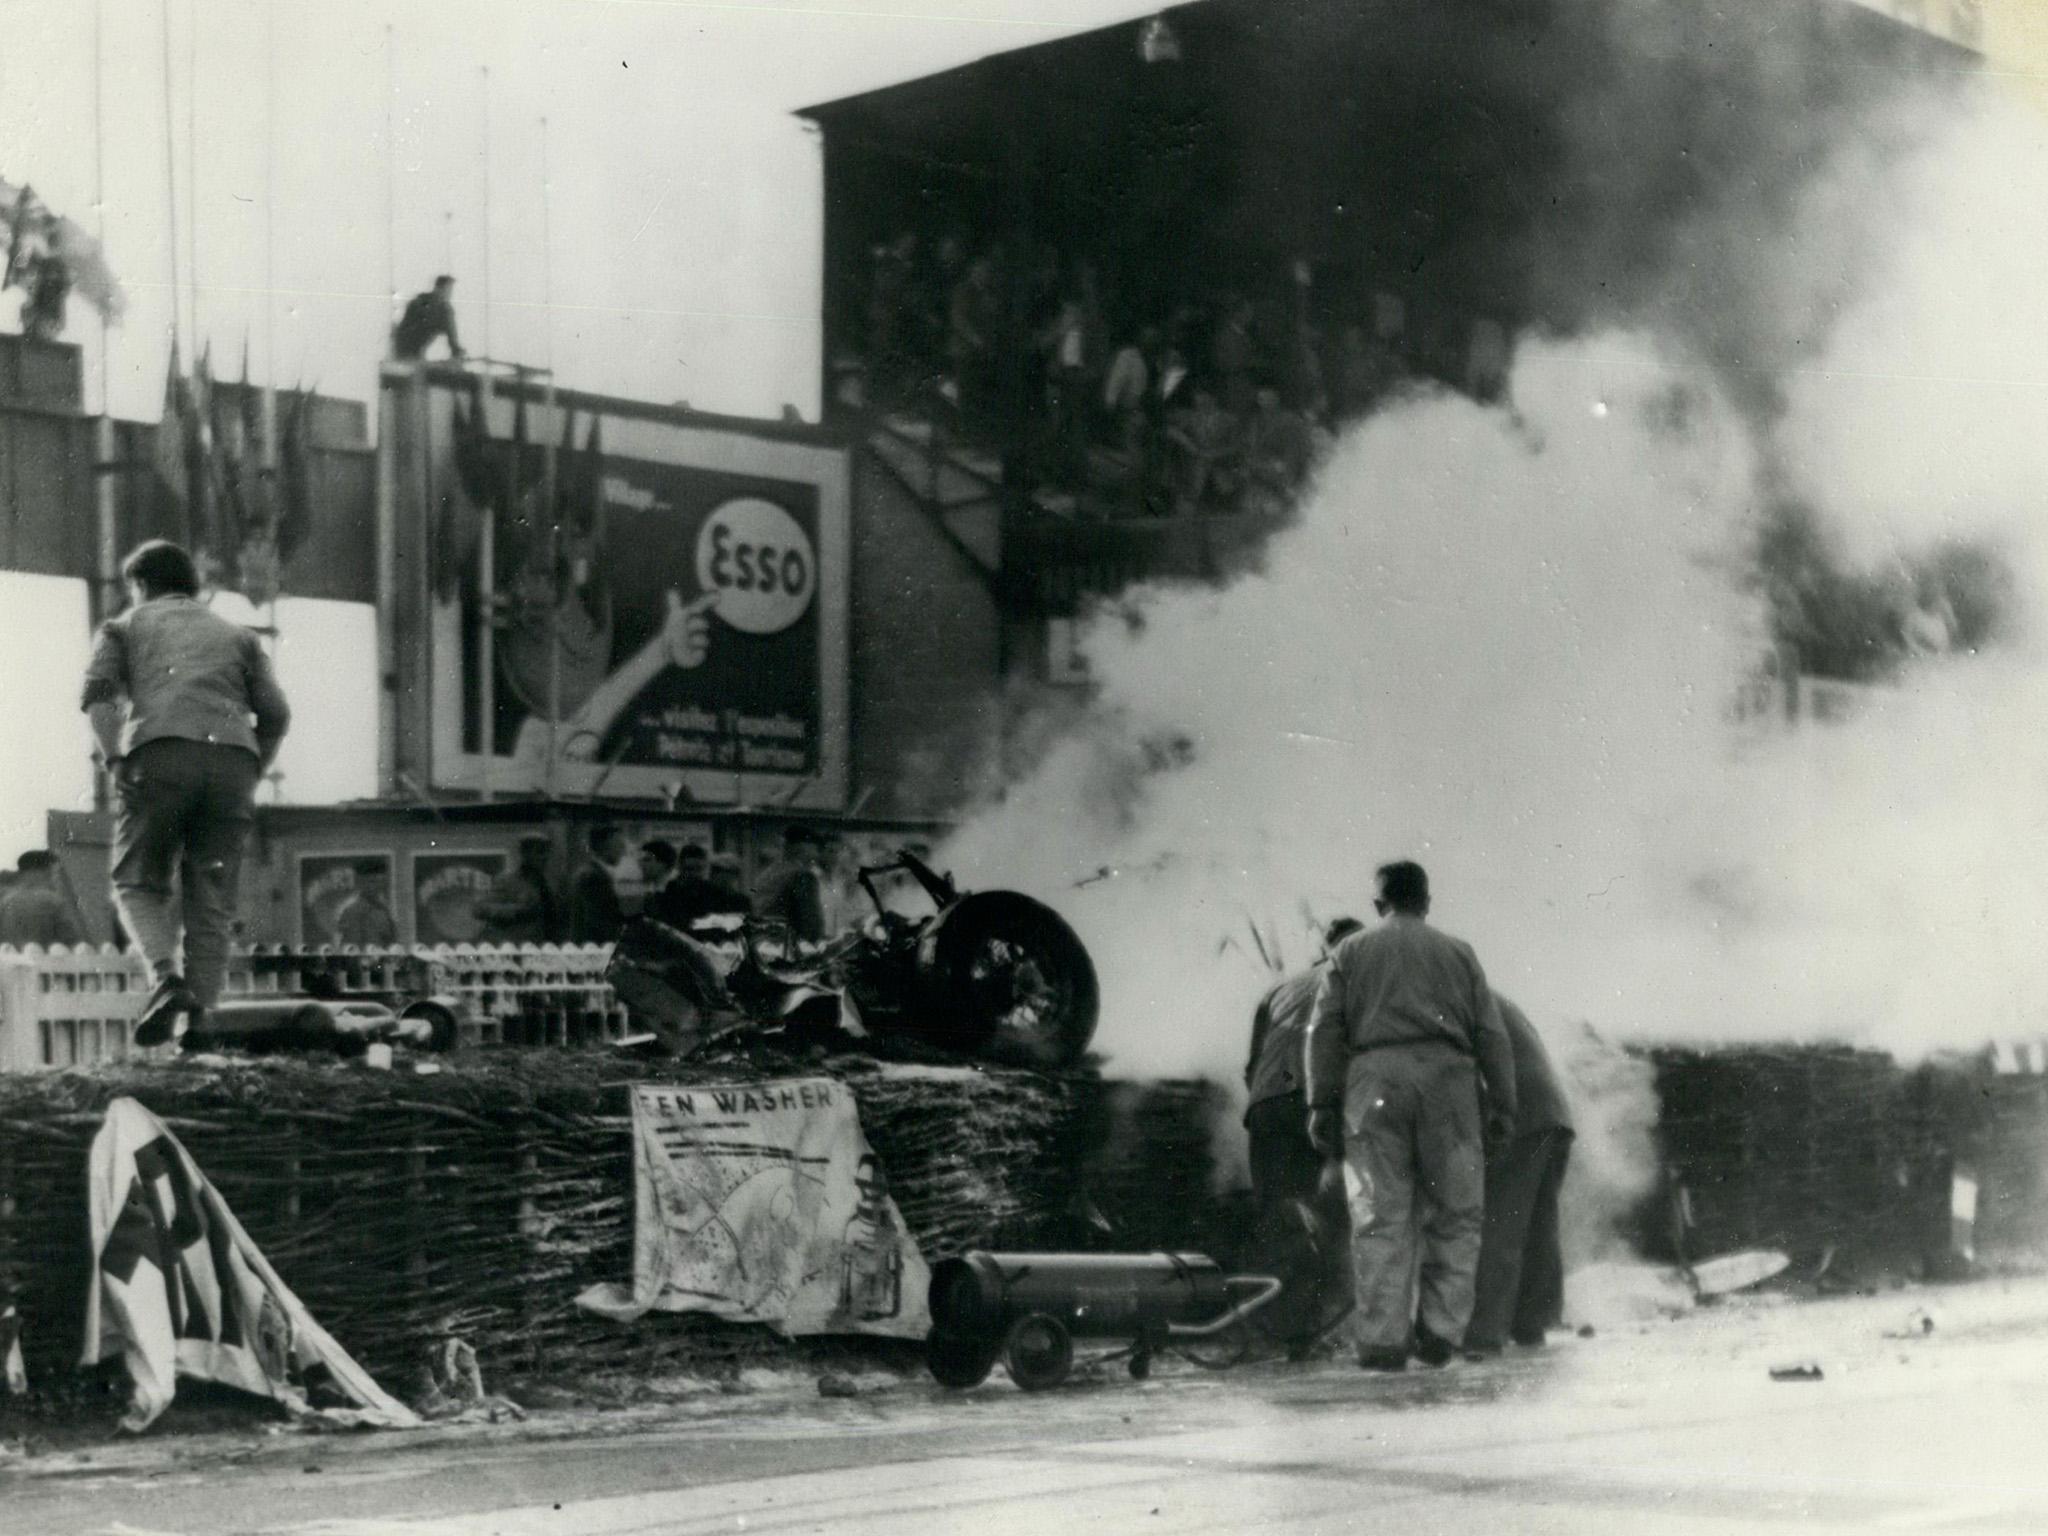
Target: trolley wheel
(1141, 1364)
(1039, 1352)
(961, 1360)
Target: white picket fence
(73, 1006)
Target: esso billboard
(759, 562)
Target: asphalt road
(1670, 1427)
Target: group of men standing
(1392, 1062)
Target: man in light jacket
(187, 717)
(1404, 1036)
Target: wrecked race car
(992, 975)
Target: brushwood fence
(1845, 1159)
(478, 1202)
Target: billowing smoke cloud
(1506, 643)
(1495, 642)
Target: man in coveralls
(1287, 1171)
(1404, 1036)
(1520, 1291)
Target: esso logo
(759, 562)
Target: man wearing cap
(1520, 1291)
(1286, 1169)
(1404, 1036)
(187, 717)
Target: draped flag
(763, 1203)
(179, 1289)
(173, 444)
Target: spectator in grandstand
(1206, 448)
(1128, 381)
(1278, 447)
(891, 318)
(1069, 343)
(1362, 375)
(1233, 355)
(974, 316)
(34, 909)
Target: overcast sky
(683, 223)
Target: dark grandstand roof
(1423, 134)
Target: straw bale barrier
(478, 1201)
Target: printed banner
(763, 1203)
(180, 1289)
(446, 891)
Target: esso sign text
(759, 562)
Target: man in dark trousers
(187, 717)
(1405, 1034)
(595, 913)
(427, 315)
(1521, 1261)
(1297, 1229)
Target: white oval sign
(759, 562)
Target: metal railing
(76, 1005)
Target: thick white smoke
(1502, 644)
(1505, 642)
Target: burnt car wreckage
(992, 975)
(989, 975)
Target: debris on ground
(833, 1384)
(1733, 1272)
(452, 1388)
(1805, 1370)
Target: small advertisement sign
(447, 888)
(345, 899)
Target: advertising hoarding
(672, 622)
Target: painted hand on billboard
(683, 642)
(686, 634)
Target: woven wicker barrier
(478, 1201)
(1815, 1150)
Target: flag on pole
(173, 443)
(211, 549)
(292, 483)
(179, 1289)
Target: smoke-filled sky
(1504, 642)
